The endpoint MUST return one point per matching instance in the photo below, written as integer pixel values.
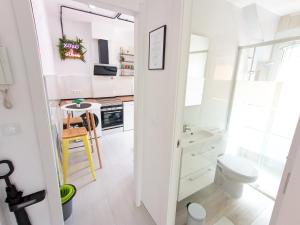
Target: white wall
(22, 148)
(235, 26)
(256, 24)
(216, 20)
(118, 33)
(73, 29)
(159, 103)
(74, 78)
(46, 51)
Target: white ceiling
(279, 7)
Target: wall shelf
(127, 62)
(125, 54)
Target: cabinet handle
(199, 175)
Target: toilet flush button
(10, 129)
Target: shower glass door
(266, 109)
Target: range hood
(103, 68)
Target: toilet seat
(238, 169)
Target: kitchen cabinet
(128, 108)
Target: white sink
(196, 137)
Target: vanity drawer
(197, 160)
(195, 182)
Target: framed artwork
(157, 44)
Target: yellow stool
(75, 134)
(73, 122)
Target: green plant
(72, 49)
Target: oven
(112, 116)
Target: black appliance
(112, 116)
(103, 51)
(105, 70)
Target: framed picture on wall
(157, 42)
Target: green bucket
(67, 193)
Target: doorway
(102, 200)
(258, 128)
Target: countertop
(109, 100)
(128, 98)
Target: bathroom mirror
(196, 69)
(5, 72)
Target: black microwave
(105, 70)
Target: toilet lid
(238, 165)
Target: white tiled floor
(109, 200)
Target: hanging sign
(71, 49)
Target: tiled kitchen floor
(110, 200)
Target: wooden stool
(72, 122)
(87, 107)
(75, 134)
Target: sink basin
(194, 137)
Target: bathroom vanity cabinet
(198, 165)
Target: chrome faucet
(186, 128)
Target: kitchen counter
(128, 98)
(103, 101)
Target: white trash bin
(196, 214)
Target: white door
(128, 115)
(286, 211)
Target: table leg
(96, 140)
(89, 129)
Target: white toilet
(233, 172)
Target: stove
(112, 113)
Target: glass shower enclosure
(265, 109)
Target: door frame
(175, 170)
(293, 154)
(183, 57)
(26, 26)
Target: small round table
(84, 106)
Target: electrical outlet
(10, 129)
(76, 92)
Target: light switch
(10, 129)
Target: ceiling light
(92, 6)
